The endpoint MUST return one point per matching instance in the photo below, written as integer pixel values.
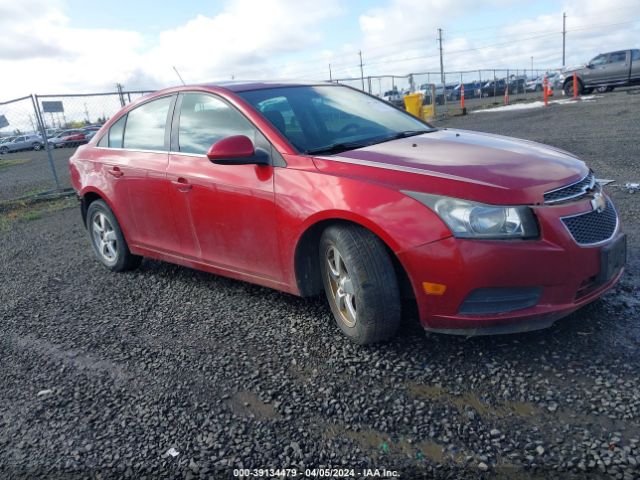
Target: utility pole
(564, 35)
(441, 64)
(330, 78)
(361, 70)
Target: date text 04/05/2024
(315, 473)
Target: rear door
(635, 65)
(134, 163)
(618, 67)
(225, 214)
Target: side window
(599, 60)
(635, 55)
(145, 128)
(205, 119)
(116, 132)
(618, 57)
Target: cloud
(242, 40)
(43, 52)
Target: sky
(70, 46)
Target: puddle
(434, 392)
(377, 443)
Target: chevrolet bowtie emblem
(598, 202)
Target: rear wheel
(107, 239)
(360, 283)
(37, 146)
(3, 150)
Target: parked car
(52, 132)
(7, 139)
(22, 142)
(470, 91)
(494, 88)
(517, 85)
(394, 97)
(484, 233)
(537, 84)
(68, 138)
(605, 71)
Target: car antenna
(179, 76)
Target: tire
(568, 88)
(3, 150)
(36, 146)
(360, 283)
(107, 239)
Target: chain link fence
(39, 133)
(482, 88)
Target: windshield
(331, 118)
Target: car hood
(502, 169)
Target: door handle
(182, 184)
(115, 172)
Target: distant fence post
(43, 133)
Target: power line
(383, 59)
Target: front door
(596, 71)
(225, 214)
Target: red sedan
(312, 187)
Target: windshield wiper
(407, 133)
(338, 147)
(344, 146)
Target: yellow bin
(413, 104)
(428, 112)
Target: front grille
(593, 227)
(571, 192)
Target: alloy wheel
(104, 237)
(342, 289)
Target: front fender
(307, 197)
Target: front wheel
(360, 283)
(107, 239)
(568, 88)
(3, 150)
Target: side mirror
(589, 65)
(236, 150)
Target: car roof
(245, 85)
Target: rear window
(145, 128)
(116, 132)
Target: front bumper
(566, 275)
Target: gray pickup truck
(605, 72)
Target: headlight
(468, 219)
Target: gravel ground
(102, 374)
